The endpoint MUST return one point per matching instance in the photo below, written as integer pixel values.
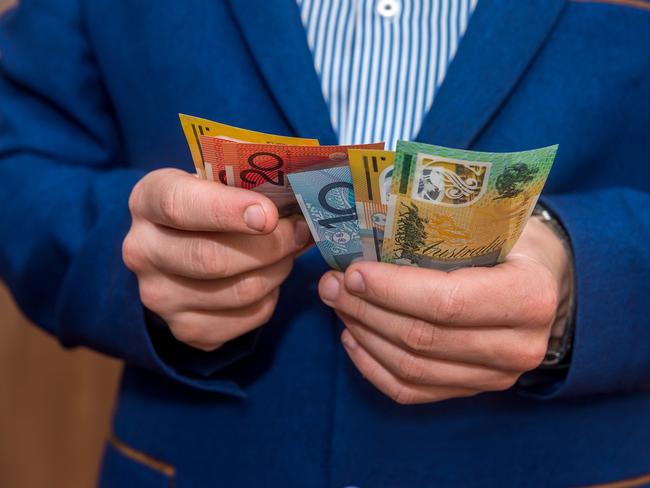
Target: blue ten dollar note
(326, 198)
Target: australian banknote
(195, 127)
(264, 167)
(453, 208)
(326, 199)
(372, 172)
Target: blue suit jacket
(89, 97)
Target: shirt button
(389, 8)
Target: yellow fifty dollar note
(452, 208)
(194, 127)
(372, 171)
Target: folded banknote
(264, 167)
(452, 208)
(423, 205)
(372, 172)
(195, 127)
(326, 199)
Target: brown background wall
(55, 405)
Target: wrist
(561, 256)
(557, 260)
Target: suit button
(389, 8)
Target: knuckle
(222, 210)
(388, 290)
(548, 303)
(286, 268)
(402, 395)
(418, 336)
(132, 253)
(540, 307)
(206, 258)
(359, 308)
(249, 289)
(268, 307)
(261, 313)
(284, 240)
(170, 207)
(452, 305)
(530, 356)
(217, 205)
(135, 196)
(151, 295)
(410, 368)
(187, 333)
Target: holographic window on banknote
(385, 183)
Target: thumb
(179, 200)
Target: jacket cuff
(193, 362)
(104, 312)
(611, 344)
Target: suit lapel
(276, 37)
(501, 40)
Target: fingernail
(349, 341)
(330, 289)
(355, 283)
(301, 233)
(255, 217)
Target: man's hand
(422, 335)
(209, 258)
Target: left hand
(421, 335)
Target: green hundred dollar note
(326, 199)
(452, 208)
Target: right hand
(209, 258)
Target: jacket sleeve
(609, 231)
(64, 191)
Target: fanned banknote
(264, 167)
(326, 199)
(372, 172)
(452, 208)
(195, 127)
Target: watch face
(559, 348)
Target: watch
(558, 353)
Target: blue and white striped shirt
(381, 62)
